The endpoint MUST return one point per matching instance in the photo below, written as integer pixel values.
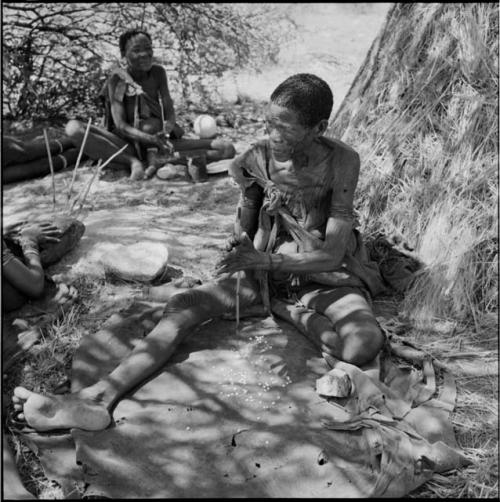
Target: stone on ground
(141, 261)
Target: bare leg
(220, 149)
(88, 408)
(101, 144)
(153, 158)
(214, 149)
(342, 323)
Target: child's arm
(28, 278)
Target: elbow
(121, 128)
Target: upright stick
(238, 276)
(100, 167)
(94, 176)
(78, 161)
(164, 122)
(49, 155)
(160, 100)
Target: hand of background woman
(41, 233)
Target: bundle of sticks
(73, 207)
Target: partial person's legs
(343, 325)
(101, 144)
(13, 488)
(153, 158)
(214, 149)
(12, 298)
(89, 408)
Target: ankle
(99, 393)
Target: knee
(361, 343)
(229, 151)
(151, 126)
(74, 129)
(225, 148)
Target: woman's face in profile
(139, 53)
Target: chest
(307, 183)
(150, 86)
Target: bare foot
(45, 413)
(136, 170)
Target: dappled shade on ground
(236, 413)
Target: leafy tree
(55, 55)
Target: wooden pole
(238, 276)
(78, 162)
(49, 155)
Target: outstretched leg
(101, 144)
(214, 149)
(89, 408)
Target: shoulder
(250, 162)
(341, 151)
(158, 71)
(257, 149)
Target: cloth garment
(235, 413)
(139, 105)
(397, 266)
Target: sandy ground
(192, 220)
(330, 40)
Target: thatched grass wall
(423, 115)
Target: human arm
(249, 203)
(320, 256)
(28, 277)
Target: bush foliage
(423, 114)
(55, 55)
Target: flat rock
(336, 383)
(141, 261)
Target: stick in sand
(82, 201)
(51, 170)
(78, 162)
(163, 121)
(238, 277)
(98, 170)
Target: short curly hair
(126, 36)
(307, 95)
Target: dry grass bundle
(423, 114)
